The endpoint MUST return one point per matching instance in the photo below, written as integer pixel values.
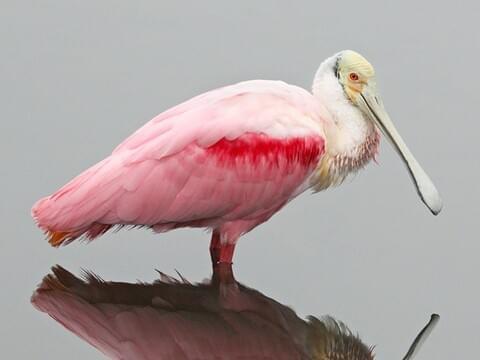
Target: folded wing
(239, 152)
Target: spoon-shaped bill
(421, 337)
(370, 103)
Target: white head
(351, 78)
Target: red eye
(353, 76)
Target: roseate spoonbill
(227, 160)
(173, 319)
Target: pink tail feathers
(44, 211)
(73, 211)
(41, 213)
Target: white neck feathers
(346, 128)
(351, 139)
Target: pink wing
(236, 153)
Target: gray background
(77, 77)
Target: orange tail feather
(56, 238)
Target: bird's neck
(351, 139)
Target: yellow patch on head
(354, 72)
(353, 61)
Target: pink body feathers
(225, 160)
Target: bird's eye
(353, 76)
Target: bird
(229, 159)
(172, 318)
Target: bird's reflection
(174, 319)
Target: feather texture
(228, 160)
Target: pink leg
(220, 253)
(223, 274)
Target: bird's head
(354, 73)
(347, 78)
(329, 339)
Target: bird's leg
(226, 253)
(221, 255)
(215, 247)
(220, 252)
(223, 274)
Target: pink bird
(229, 159)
